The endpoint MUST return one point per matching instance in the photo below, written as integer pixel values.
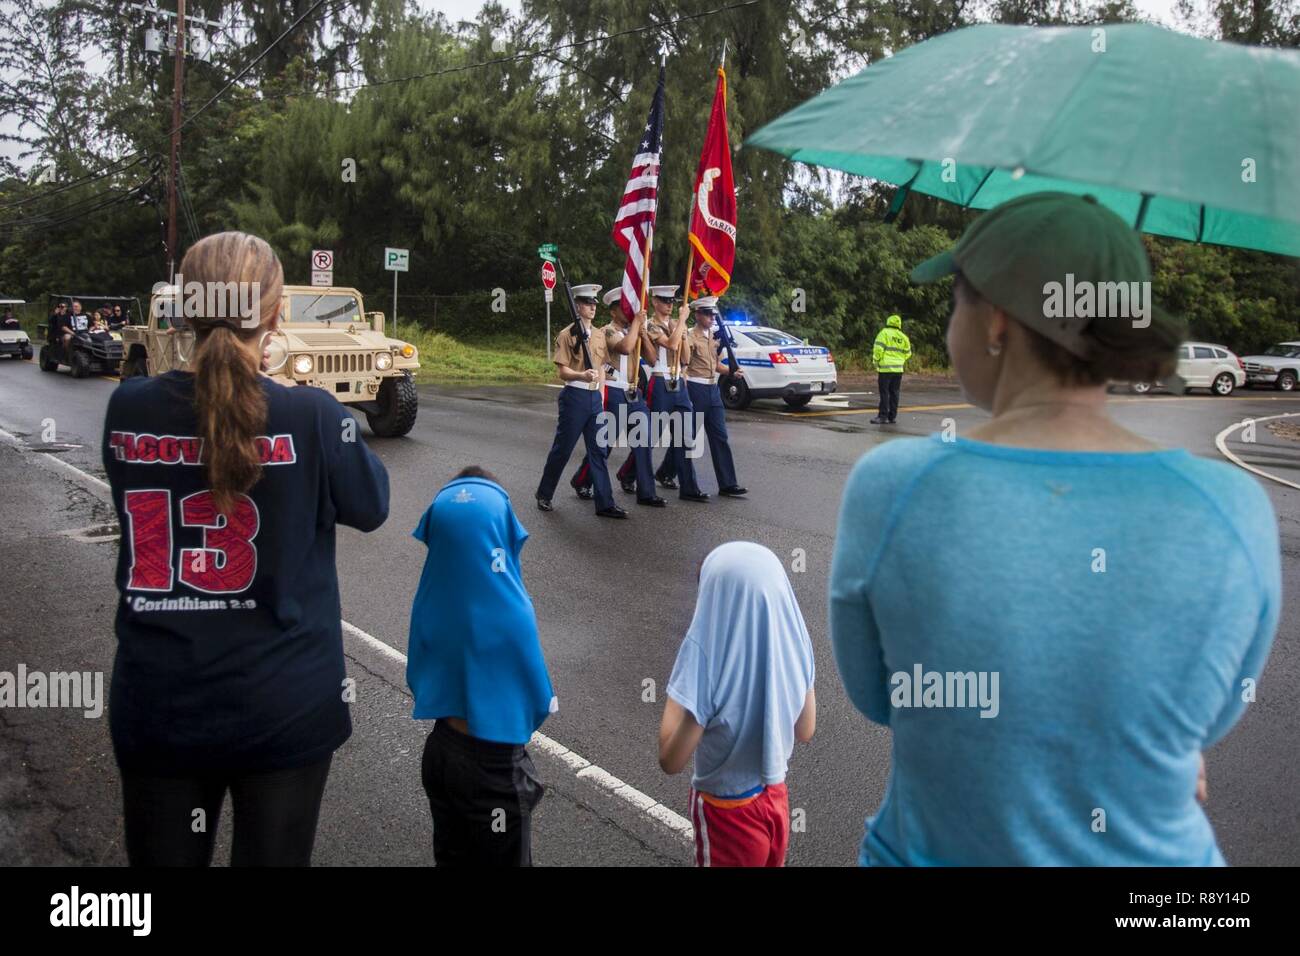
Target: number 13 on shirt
(224, 563)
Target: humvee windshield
(331, 307)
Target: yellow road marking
(872, 411)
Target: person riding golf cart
(72, 340)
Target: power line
(139, 155)
(75, 208)
(123, 197)
(88, 178)
(252, 63)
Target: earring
(995, 348)
(263, 348)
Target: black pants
(482, 796)
(890, 382)
(275, 816)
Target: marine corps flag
(713, 213)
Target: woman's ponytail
(228, 395)
(231, 408)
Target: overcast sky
(1160, 10)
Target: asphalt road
(613, 601)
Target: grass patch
(858, 362)
(501, 359)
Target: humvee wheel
(80, 365)
(48, 364)
(398, 402)
(134, 366)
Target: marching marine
(702, 373)
(581, 367)
(621, 341)
(668, 393)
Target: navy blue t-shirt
(230, 651)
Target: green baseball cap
(1056, 262)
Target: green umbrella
(1182, 137)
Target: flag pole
(634, 385)
(650, 235)
(690, 262)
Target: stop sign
(548, 275)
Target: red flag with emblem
(713, 212)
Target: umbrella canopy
(1183, 137)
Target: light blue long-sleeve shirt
(1121, 605)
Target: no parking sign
(322, 267)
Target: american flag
(634, 225)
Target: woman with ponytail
(229, 672)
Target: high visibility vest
(891, 350)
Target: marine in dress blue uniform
(580, 405)
(702, 372)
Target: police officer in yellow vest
(889, 354)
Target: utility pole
(178, 87)
(197, 45)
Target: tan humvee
(325, 339)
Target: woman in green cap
(1031, 612)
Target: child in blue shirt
(476, 667)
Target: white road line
(1221, 442)
(58, 463)
(582, 768)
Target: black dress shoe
(698, 496)
(544, 504)
(629, 487)
(878, 420)
(735, 491)
(655, 502)
(893, 421)
(586, 494)
(613, 511)
(667, 482)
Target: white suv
(1202, 365)
(1279, 366)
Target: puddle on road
(53, 448)
(93, 534)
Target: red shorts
(750, 832)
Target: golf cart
(13, 340)
(85, 352)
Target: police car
(776, 365)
